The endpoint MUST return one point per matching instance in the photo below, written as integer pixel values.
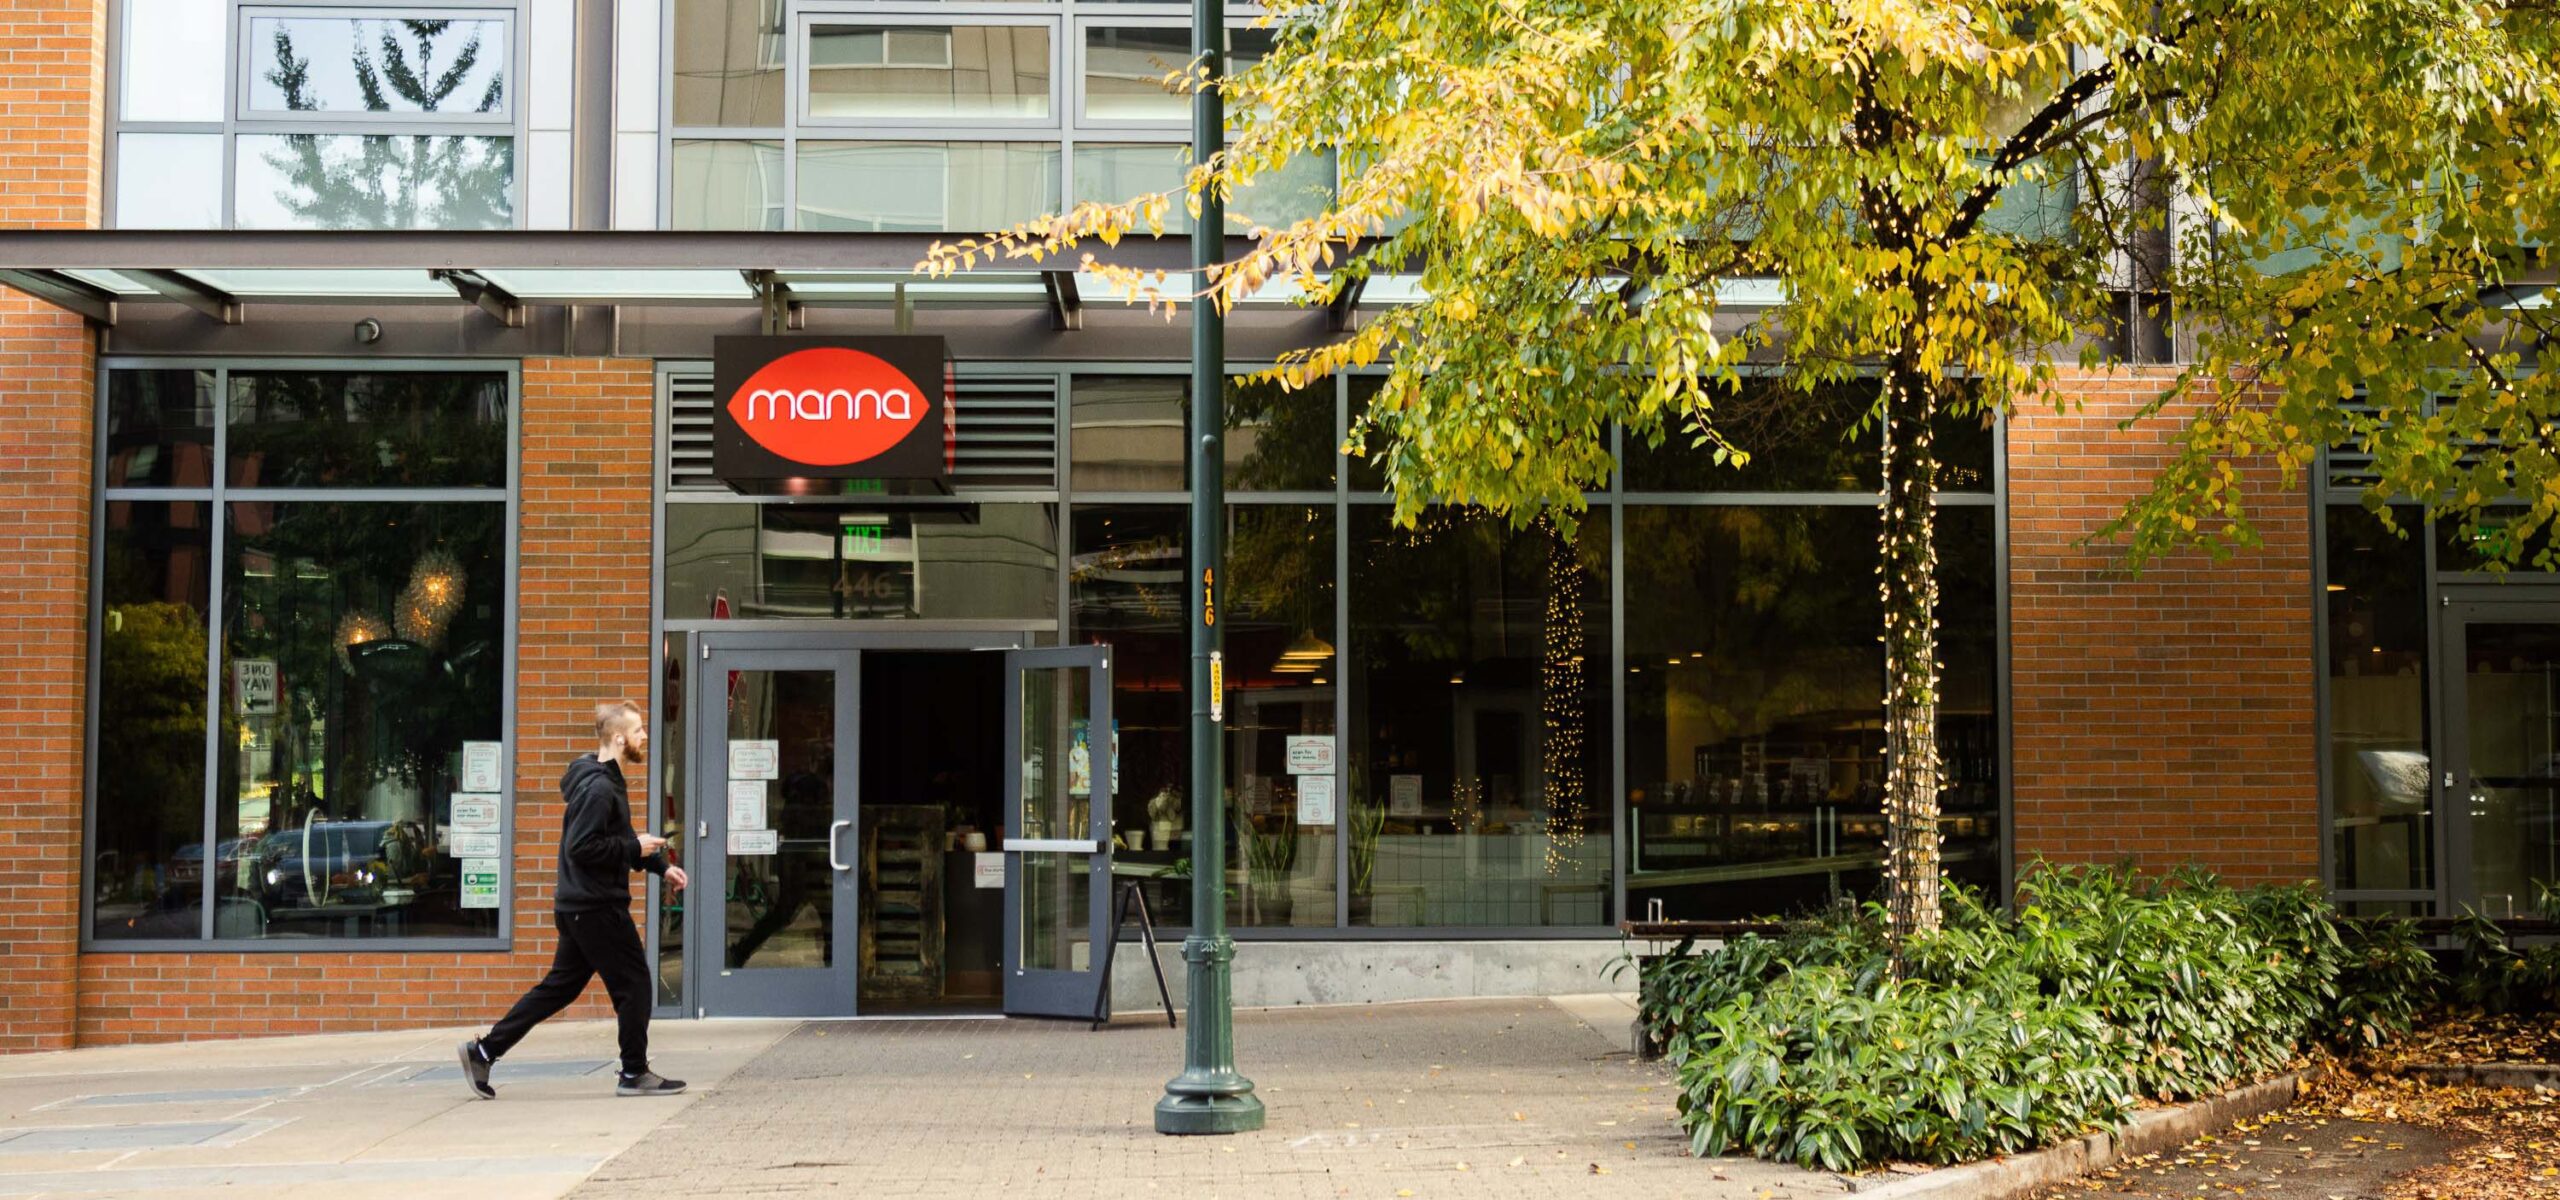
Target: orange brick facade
(583, 616)
(50, 57)
(2167, 717)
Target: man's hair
(614, 717)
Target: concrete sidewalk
(1475, 1098)
(1472, 1098)
(376, 1116)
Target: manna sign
(799, 408)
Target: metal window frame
(235, 87)
(1344, 500)
(1065, 129)
(216, 497)
(245, 113)
(938, 129)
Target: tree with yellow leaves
(1947, 199)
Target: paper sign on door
(475, 814)
(1311, 754)
(755, 759)
(746, 803)
(480, 767)
(1315, 799)
(472, 845)
(754, 841)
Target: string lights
(426, 607)
(1907, 569)
(356, 629)
(1560, 686)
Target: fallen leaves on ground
(2474, 1038)
(2508, 1139)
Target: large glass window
(148, 854)
(729, 185)
(2381, 821)
(1753, 684)
(929, 72)
(1478, 761)
(376, 633)
(1126, 434)
(1127, 590)
(925, 187)
(357, 658)
(373, 118)
(934, 122)
(964, 562)
(729, 57)
(1801, 442)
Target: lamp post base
(1210, 1095)
(1209, 1106)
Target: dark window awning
(221, 273)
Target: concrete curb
(2150, 1131)
(2497, 1075)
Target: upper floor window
(350, 116)
(961, 117)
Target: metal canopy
(220, 273)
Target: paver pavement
(1477, 1098)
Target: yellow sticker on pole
(1217, 686)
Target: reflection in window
(148, 849)
(1125, 69)
(729, 59)
(2378, 752)
(1112, 173)
(1478, 760)
(368, 429)
(969, 562)
(908, 73)
(1754, 735)
(145, 165)
(668, 758)
(368, 640)
(728, 185)
(374, 181)
(445, 66)
(1800, 443)
(1126, 590)
(160, 429)
(1126, 434)
(172, 69)
(925, 187)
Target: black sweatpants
(604, 943)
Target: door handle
(835, 835)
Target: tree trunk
(1909, 575)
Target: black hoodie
(598, 851)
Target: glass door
(1057, 836)
(2502, 742)
(776, 809)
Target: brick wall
(46, 401)
(2166, 717)
(583, 636)
(50, 112)
(50, 54)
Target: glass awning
(219, 273)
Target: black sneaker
(475, 1070)
(646, 1083)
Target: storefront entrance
(907, 827)
(2501, 699)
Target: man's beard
(634, 756)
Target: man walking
(592, 909)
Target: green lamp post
(1210, 1096)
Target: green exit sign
(864, 540)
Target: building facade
(358, 383)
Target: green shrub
(2388, 979)
(2495, 976)
(2006, 1031)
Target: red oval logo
(828, 406)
